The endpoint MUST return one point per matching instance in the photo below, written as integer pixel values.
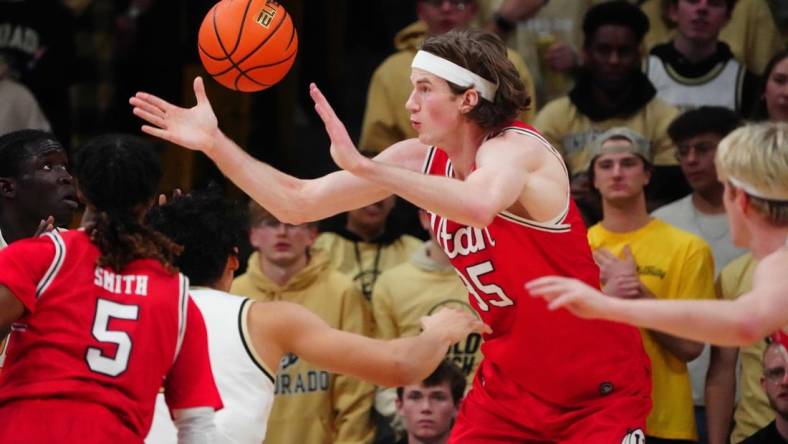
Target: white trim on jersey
(183, 304)
(428, 160)
(57, 262)
(555, 225)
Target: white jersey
(244, 382)
(722, 86)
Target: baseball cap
(638, 144)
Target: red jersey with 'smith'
(90, 334)
(562, 358)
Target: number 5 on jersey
(97, 361)
(496, 295)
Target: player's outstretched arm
(743, 321)
(293, 328)
(290, 199)
(505, 170)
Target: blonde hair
(754, 158)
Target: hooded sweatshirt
(312, 405)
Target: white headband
(451, 72)
(749, 189)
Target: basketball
(247, 45)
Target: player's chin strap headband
(749, 189)
(451, 72)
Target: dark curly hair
(484, 54)
(18, 146)
(706, 119)
(618, 12)
(209, 227)
(119, 174)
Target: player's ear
(470, 98)
(233, 263)
(8, 187)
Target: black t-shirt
(766, 435)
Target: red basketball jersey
(780, 337)
(563, 358)
(90, 334)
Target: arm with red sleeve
(23, 264)
(189, 388)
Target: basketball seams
(267, 37)
(261, 75)
(236, 65)
(292, 37)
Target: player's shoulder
(775, 263)
(199, 294)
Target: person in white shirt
(247, 339)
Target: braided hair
(119, 174)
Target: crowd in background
(662, 81)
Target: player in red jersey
(99, 318)
(499, 195)
(752, 162)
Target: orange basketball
(247, 45)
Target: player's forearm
(720, 394)
(457, 200)
(684, 349)
(274, 190)
(713, 321)
(418, 356)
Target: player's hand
(454, 324)
(343, 151)
(45, 226)
(560, 57)
(576, 296)
(195, 128)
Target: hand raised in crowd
(195, 128)
(561, 57)
(343, 150)
(517, 10)
(454, 324)
(579, 298)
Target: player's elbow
(749, 329)
(481, 213)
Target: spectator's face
(282, 244)
(44, 186)
(427, 412)
(775, 379)
(776, 93)
(613, 56)
(442, 16)
(434, 109)
(696, 158)
(700, 20)
(372, 217)
(620, 176)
